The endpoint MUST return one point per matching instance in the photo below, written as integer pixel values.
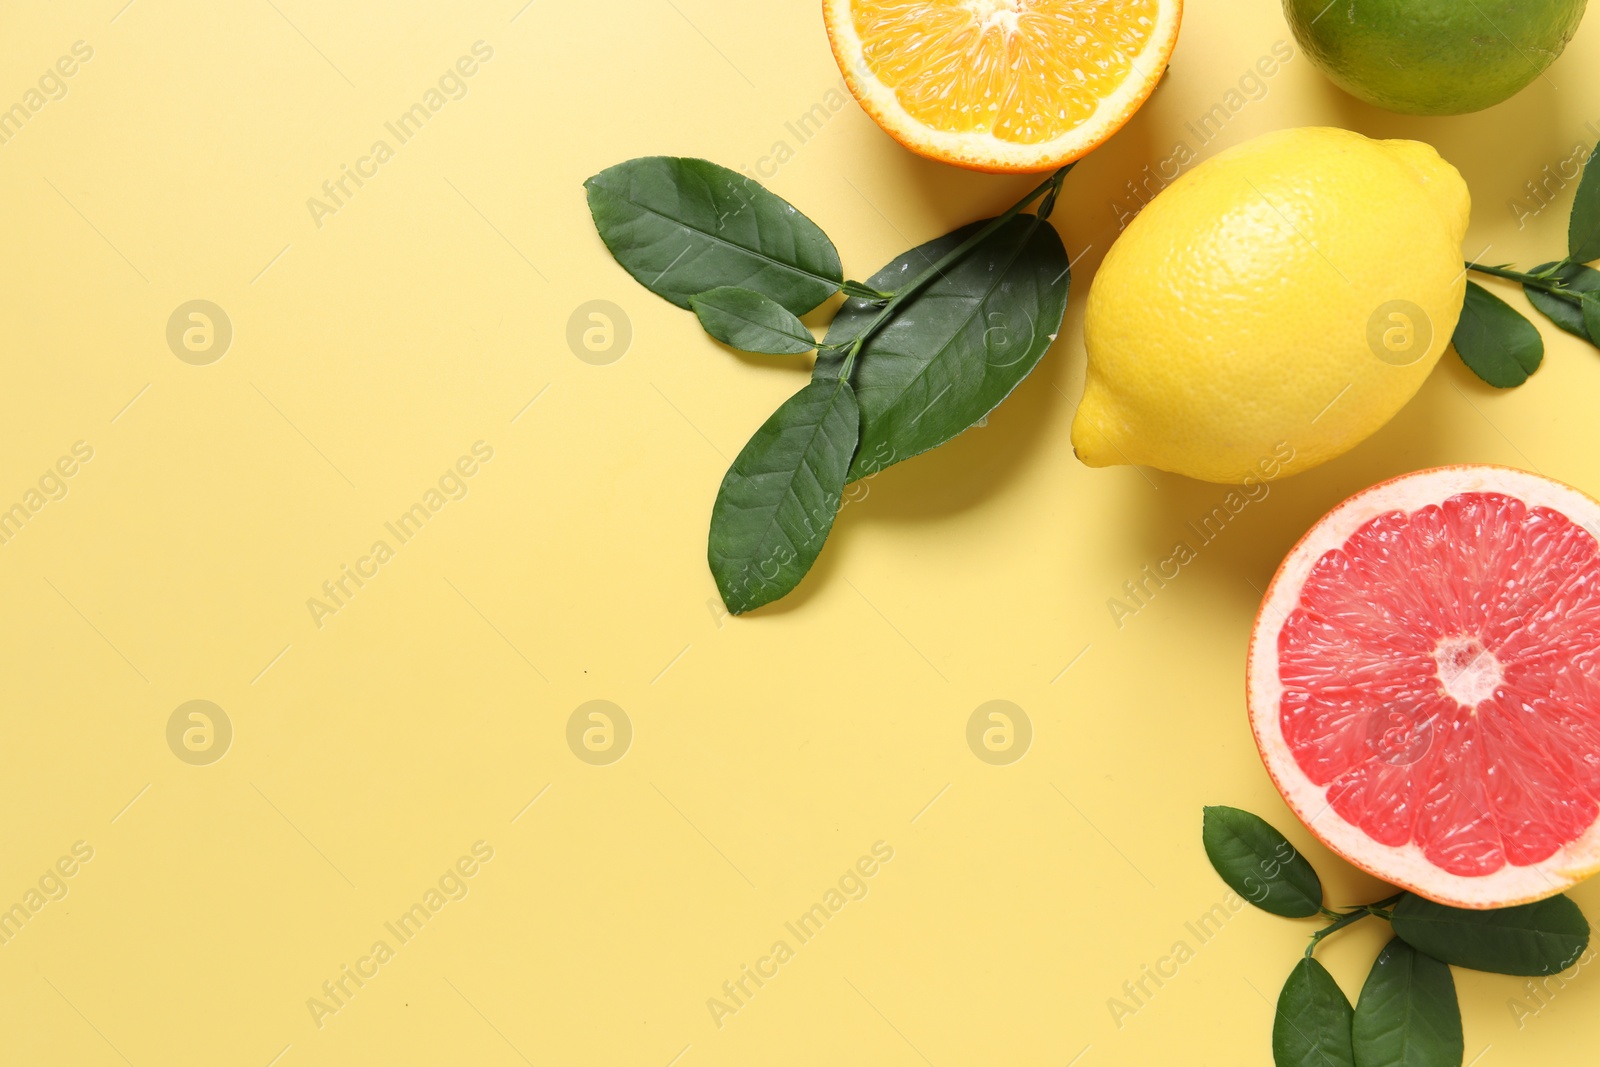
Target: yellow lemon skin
(1283, 299)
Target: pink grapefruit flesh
(1424, 684)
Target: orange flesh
(1025, 71)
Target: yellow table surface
(416, 727)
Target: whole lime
(1433, 57)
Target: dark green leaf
(1495, 341)
(1407, 1014)
(1260, 864)
(951, 353)
(778, 500)
(1583, 230)
(751, 322)
(1591, 314)
(682, 226)
(1564, 313)
(1312, 1027)
(1540, 938)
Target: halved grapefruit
(1002, 85)
(1424, 684)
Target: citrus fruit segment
(1002, 85)
(1423, 689)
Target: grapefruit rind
(1404, 866)
(983, 151)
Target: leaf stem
(863, 291)
(1050, 187)
(1530, 280)
(1354, 915)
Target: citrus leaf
(682, 226)
(1583, 229)
(778, 500)
(751, 322)
(1407, 1014)
(1495, 341)
(1259, 863)
(1564, 313)
(1545, 937)
(1312, 1027)
(951, 353)
(1591, 314)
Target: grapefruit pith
(1424, 684)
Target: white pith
(1406, 866)
(982, 150)
(1468, 672)
(991, 13)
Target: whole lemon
(1273, 307)
(1433, 57)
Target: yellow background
(769, 752)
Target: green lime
(1433, 57)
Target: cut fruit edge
(1404, 866)
(984, 151)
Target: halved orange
(1002, 85)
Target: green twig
(1532, 281)
(1377, 907)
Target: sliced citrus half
(1424, 684)
(1002, 85)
